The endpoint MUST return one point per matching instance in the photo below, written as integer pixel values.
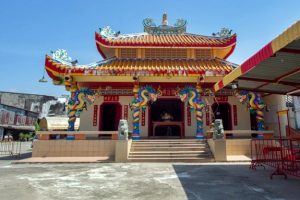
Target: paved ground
(163, 181)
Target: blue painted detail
(136, 137)
(70, 137)
(71, 126)
(260, 136)
(201, 137)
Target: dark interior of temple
(171, 107)
(110, 115)
(222, 111)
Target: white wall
(243, 115)
(86, 117)
(275, 103)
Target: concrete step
(151, 143)
(166, 152)
(204, 153)
(171, 156)
(170, 141)
(169, 148)
(169, 145)
(178, 159)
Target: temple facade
(161, 81)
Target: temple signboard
(111, 98)
(95, 115)
(221, 99)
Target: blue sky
(30, 29)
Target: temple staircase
(171, 150)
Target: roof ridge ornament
(108, 32)
(178, 28)
(61, 55)
(165, 20)
(224, 32)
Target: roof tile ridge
(227, 62)
(209, 36)
(100, 63)
(129, 35)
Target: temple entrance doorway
(110, 115)
(223, 111)
(166, 119)
(253, 121)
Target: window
(204, 53)
(128, 53)
(166, 53)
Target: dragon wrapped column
(199, 112)
(77, 102)
(142, 96)
(193, 96)
(135, 107)
(199, 118)
(256, 105)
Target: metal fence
(281, 154)
(11, 148)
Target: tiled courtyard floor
(142, 181)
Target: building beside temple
(20, 111)
(160, 80)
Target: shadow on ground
(16, 157)
(234, 182)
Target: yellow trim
(193, 53)
(146, 79)
(117, 52)
(188, 53)
(62, 74)
(142, 53)
(161, 47)
(221, 53)
(229, 78)
(212, 79)
(52, 71)
(216, 87)
(155, 78)
(282, 112)
(139, 53)
(232, 75)
(286, 37)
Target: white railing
(10, 148)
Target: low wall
(122, 150)
(218, 148)
(117, 150)
(230, 149)
(78, 135)
(73, 148)
(238, 147)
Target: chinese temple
(161, 81)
